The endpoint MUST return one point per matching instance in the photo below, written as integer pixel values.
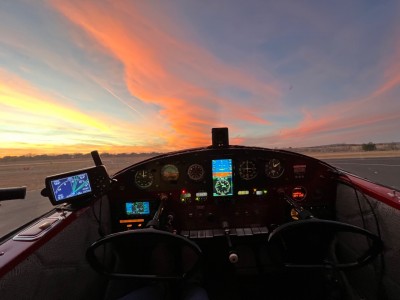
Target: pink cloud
(163, 68)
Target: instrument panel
(202, 188)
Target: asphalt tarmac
(15, 213)
(385, 170)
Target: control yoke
(12, 193)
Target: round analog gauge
(299, 193)
(222, 186)
(170, 173)
(274, 168)
(144, 179)
(196, 172)
(247, 170)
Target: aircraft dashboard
(204, 190)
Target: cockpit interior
(238, 222)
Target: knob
(210, 217)
(170, 219)
(233, 258)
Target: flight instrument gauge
(299, 193)
(195, 172)
(144, 178)
(247, 170)
(222, 187)
(274, 168)
(170, 173)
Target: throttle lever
(155, 222)
(233, 257)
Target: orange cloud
(164, 68)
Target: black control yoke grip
(12, 193)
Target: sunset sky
(141, 76)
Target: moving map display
(137, 208)
(71, 186)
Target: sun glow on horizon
(48, 127)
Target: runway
(385, 170)
(382, 170)
(15, 213)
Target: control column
(232, 255)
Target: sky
(144, 76)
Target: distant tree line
(343, 147)
(384, 146)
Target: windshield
(135, 78)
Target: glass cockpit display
(137, 208)
(222, 177)
(71, 186)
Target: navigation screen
(71, 186)
(137, 208)
(222, 177)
